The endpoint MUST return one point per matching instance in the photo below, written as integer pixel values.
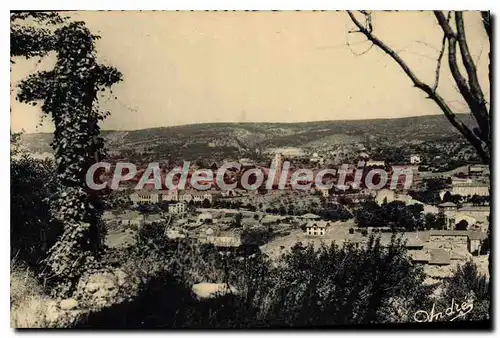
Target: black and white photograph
(250, 169)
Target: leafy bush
(257, 236)
(395, 214)
(468, 284)
(32, 230)
(344, 285)
(152, 233)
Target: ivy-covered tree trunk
(69, 95)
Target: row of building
(156, 196)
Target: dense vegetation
(32, 232)
(330, 285)
(395, 214)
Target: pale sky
(195, 67)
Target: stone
(121, 276)
(212, 290)
(99, 289)
(68, 304)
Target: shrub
(152, 233)
(257, 237)
(32, 231)
(468, 284)
(345, 285)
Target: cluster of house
(205, 231)
(437, 250)
(470, 216)
(468, 186)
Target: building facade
(315, 228)
(177, 208)
(415, 159)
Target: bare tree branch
(470, 67)
(427, 44)
(485, 16)
(438, 99)
(452, 58)
(477, 108)
(479, 138)
(404, 50)
(355, 53)
(438, 66)
(481, 113)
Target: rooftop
(478, 208)
(314, 224)
(439, 257)
(420, 256)
(471, 184)
(448, 233)
(480, 235)
(310, 216)
(471, 234)
(447, 204)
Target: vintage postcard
(250, 169)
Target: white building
(415, 159)
(195, 196)
(316, 228)
(479, 213)
(449, 209)
(288, 151)
(170, 195)
(479, 170)
(375, 163)
(278, 160)
(324, 191)
(467, 189)
(144, 197)
(459, 180)
(177, 208)
(154, 196)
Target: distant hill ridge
(249, 135)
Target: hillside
(237, 138)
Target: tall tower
(278, 159)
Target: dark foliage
(32, 230)
(395, 215)
(307, 287)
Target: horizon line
(267, 122)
